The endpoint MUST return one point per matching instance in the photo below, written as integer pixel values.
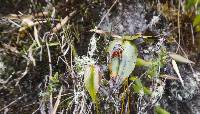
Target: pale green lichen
(158, 91)
(2, 67)
(190, 89)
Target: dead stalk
(57, 101)
(63, 22)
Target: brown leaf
(180, 58)
(105, 33)
(177, 71)
(169, 77)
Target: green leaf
(190, 3)
(160, 110)
(197, 28)
(133, 78)
(142, 62)
(123, 64)
(147, 91)
(54, 79)
(196, 20)
(91, 80)
(153, 69)
(138, 87)
(128, 60)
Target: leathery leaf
(115, 61)
(114, 67)
(91, 80)
(128, 60)
(122, 62)
(113, 44)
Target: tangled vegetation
(64, 57)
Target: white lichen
(2, 67)
(81, 62)
(92, 46)
(154, 21)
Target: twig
(92, 46)
(14, 23)
(5, 81)
(189, 63)
(192, 34)
(23, 74)
(36, 36)
(49, 57)
(63, 22)
(13, 102)
(57, 101)
(50, 102)
(179, 29)
(101, 32)
(107, 13)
